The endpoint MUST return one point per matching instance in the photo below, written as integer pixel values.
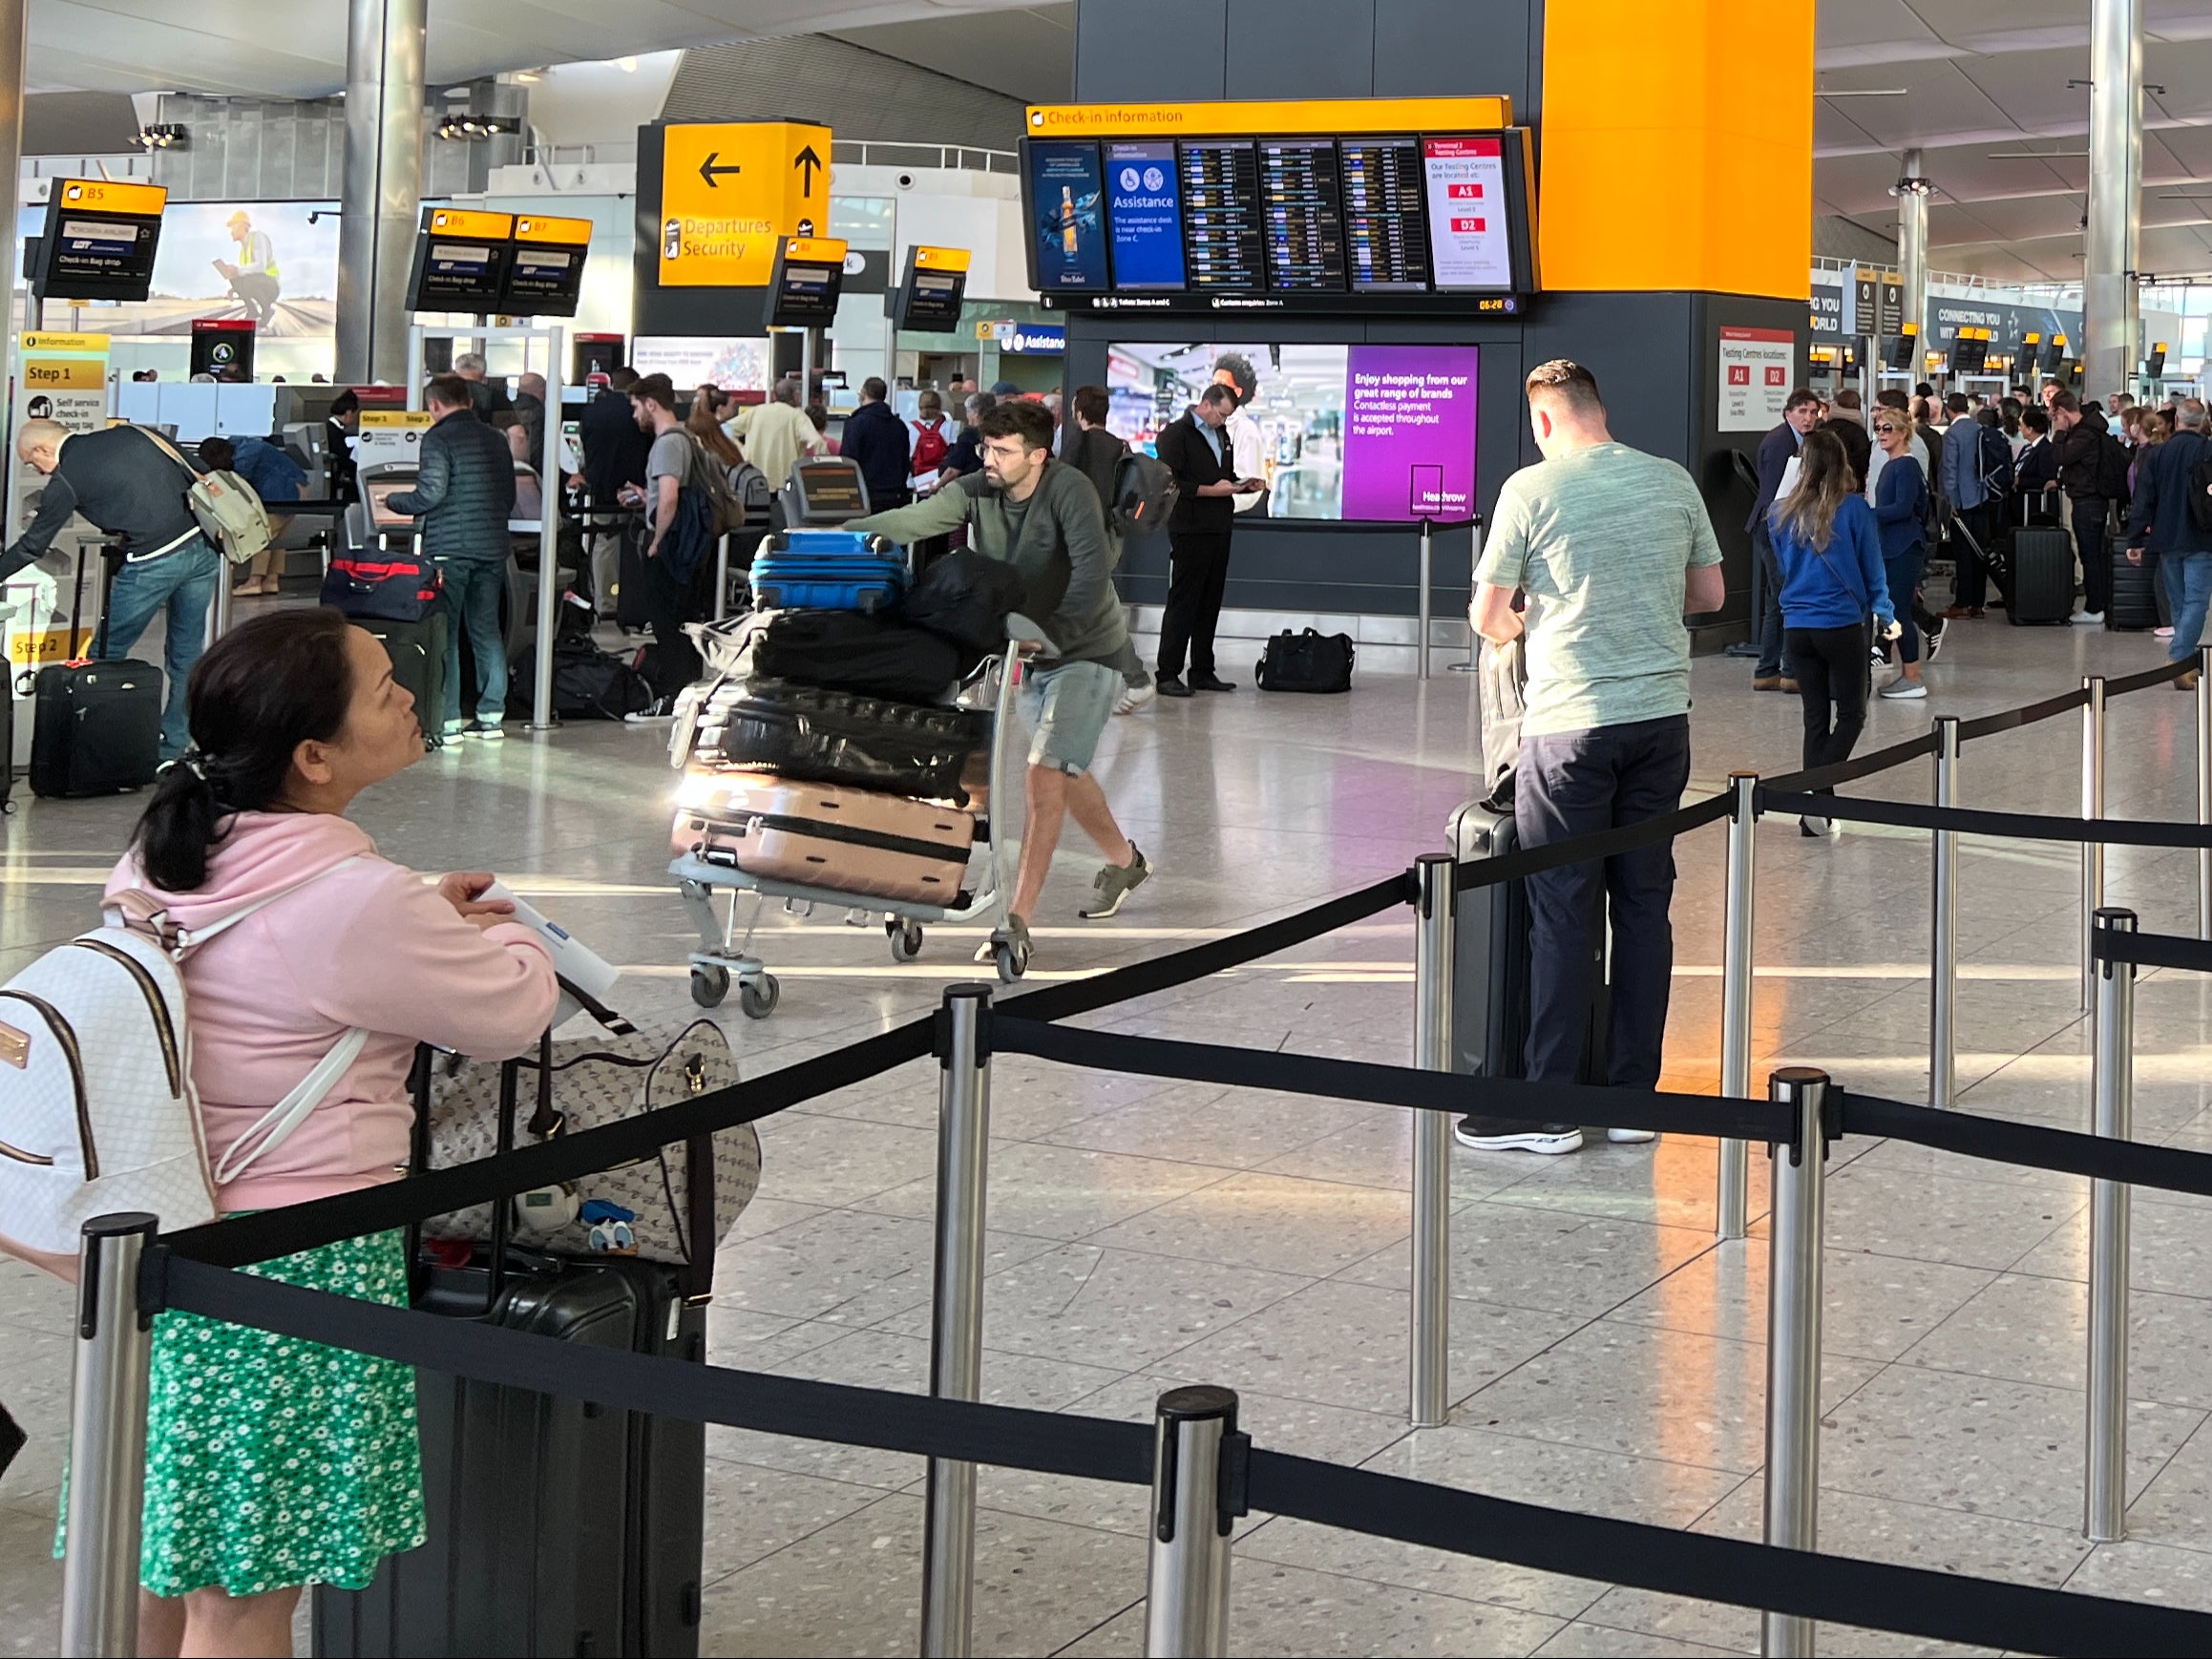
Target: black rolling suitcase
(95, 727)
(2037, 577)
(2135, 599)
(418, 662)
(556, 1526)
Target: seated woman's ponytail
(265, 688)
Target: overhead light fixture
(162, 136)
(1861, 91)
(628, 65)
(2038, 155)
(462, 128)
(1914, 185)
(528, 76)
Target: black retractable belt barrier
(2151, 950)
(2149, 677)
(2012, 719)
(1837, 1590)
(1390, 1086)
(2031, 1146)
(1851, 771)
(1091, 1448)
(2012, 826)
(1181, 967)
(1474, 873)
(239, 1240)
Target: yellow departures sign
(730, 189)
(1281, 118)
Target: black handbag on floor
(1309, 661)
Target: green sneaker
(1115, 883)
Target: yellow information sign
(55, 373)
(44, 342)
(940, 259)
(730, 189)
(111, 196)
(1284, 117)
(373, 420)
(471, 222)
(540, 227)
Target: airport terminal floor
(1608, 1354)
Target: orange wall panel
(1675, 149)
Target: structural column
(1912, 245)
(2116, 166)
(382, 189)
(14, 27)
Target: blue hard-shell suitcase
(827, 569)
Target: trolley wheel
(905, 939)
(758, 998)
(709, 986)
(1009, 968)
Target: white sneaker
(1632, 1137)
(2087, 619)
(1134, 698)
(1904, 689)
(455, 728)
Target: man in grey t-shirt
(1612, 547)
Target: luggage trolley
(723, 955)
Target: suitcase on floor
(2135, 599)
(825, 570)
(630, 612)
(824, 835)
(95, 727)
(840, 737)
(2040, 579)
(554, 1526)
(418, 662)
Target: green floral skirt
(272, 1461)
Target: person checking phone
(1196, 448)
(1828, 548)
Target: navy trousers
(1571, 784)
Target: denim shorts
(1069, 706)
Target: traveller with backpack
(311, 966)
(930, 441)
(1042, 517)
(2093, 472)
(680, 533)
(123, 481)
(1098, 455)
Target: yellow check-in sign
(730, 189)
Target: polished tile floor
(1608, 1355)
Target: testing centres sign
(1756, 364)
(730, 190)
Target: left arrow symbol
(709, 172)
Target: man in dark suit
(1773, 670)
(1195, 448)
(615, 448)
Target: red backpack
(929, 446)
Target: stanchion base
(549, 725)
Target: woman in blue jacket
(1900, 508)
(1832, 577)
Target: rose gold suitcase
(826, 835)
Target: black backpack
(2111, 468)
(1145, 493)
(1997, 462)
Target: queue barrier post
(2204, 788)
(1436, 923)
(1793, 1338)
(2091, 807)
(1943, 956)
(115, 1347)
(1187, 1585)
(720, 576)
(1427, 604)
(948, 1547)
(1732, 1203)
(2113, 1113)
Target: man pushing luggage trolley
(1042, 517)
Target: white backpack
(97, 1111)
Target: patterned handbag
(596, 1081)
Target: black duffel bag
(843, 651)
(1309, 661)
(966, 597)
(388, 587)
(588, 683)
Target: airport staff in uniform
(252, 274)
(124, 483)
(1195, 447)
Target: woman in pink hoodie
(272, 1462)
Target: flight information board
(805, 283)
(929, 295)
(1423, 222)
(460, 260)
(1221, 231)
(1385, 215)
(1303, 212)
(545, 267)
(100, 240)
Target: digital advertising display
(1067, 244)
(1367, 433)
(1144, 210)
(1434, 222)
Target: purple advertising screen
(1409, 431)
(1376, 432)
